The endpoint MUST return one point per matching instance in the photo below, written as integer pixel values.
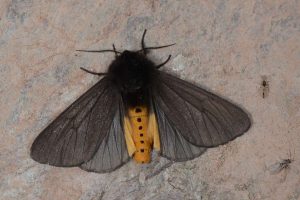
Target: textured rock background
(226, 46)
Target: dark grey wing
(112, 152)
(172, 144)
(200, 117)
(75, 135)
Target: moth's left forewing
(74, 136)
(89, 133)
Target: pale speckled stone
(225, 46)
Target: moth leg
(162, 64)
(91, 72)
(114, 48)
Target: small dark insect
(264, 87)
(280, 165)
(133, 109)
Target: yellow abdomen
(141, 134)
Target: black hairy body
(90, 132)
(133, 74)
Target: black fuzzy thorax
(133, 74)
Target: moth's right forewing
(200, 117)
(74, 136)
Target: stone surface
(226, 46)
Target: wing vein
(221, 113)
(89, 118)
(208, 132)
(213, 124)
(193, 119)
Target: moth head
(133, 60)
(131, 70)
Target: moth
(132, 110)
(282, 164)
